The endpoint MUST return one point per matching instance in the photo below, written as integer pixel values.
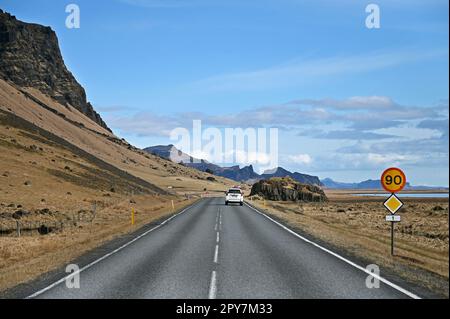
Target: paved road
(217, 251)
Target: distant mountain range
(370, 184)
(245, 174)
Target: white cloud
(364, 161)
(382, 159)
(304, 159)
(252, 158)
(359, 118)
(300, 70)
(352, 103)
(200, 154)
(348, 135)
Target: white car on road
(234, 195)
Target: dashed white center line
(216, 227)
(213, 286)
(216, 254)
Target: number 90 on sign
(393, 180)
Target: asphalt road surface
(215, 251)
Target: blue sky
(349, 101)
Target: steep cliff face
(30, 57)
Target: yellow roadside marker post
(173, 206)
(132, 216)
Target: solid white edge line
(213, 286)
(218, 237)
(40, 292)
(387, 282)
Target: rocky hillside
(287, 189)
(30, 57)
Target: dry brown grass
(25, 258)
(358, 226)
(35, 180)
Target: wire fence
(44, 221)
(10, 227)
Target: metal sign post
(393, 181)
(392, 238)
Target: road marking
(218, 237)
(217, 220)
(220, 222)
(387, 282)
(40, 292)
(216, 255)
(213, 286)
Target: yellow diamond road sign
(393, 204)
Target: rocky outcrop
(287, 189)
(30, 57)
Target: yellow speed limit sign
(393, 180)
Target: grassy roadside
(357, 227)
(25, 258)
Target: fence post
(18, 228)
(94, 209)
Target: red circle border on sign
(401, 173)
